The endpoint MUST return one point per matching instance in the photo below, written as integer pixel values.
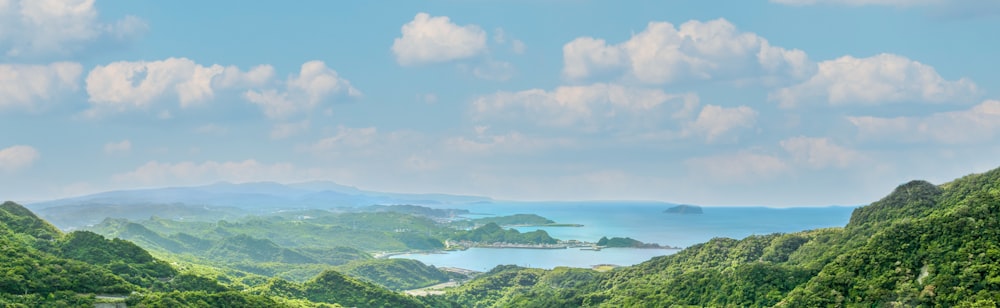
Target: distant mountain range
(223, 200)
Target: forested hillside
(43, 267)
(922, 245)
(298, 245)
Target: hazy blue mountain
(224, 200)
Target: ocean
(643, 221)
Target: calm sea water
(642, 221)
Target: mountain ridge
(223, 200)
(922, 245)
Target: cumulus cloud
(696, 50)
(26, 87)
(428, 39)
(315, 83)
(885, 78)
(714, 122)
(586, 56)
(187, 172)
(123, 146)
(737, 167)
(581, 106)
(127, 85)
(819, 152)
(981, 123)
(17, 157)
(34, 28)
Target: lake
(644, 221)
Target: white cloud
(27, 86)
(123, 146)
(580, 106)
(978, 124)
(715, 121)
(739, 167)
(233, 77)
(696, 50)
(285, 130)
(17, 157)
(187, 173)
(125, 85)
(315, 83)
(587, 56)
(429, 39)
(885, 78)
(819, 152)
(33, 28)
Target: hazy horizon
(776, 103)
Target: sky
(757, 102)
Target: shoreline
(384, 255)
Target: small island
(684, 209)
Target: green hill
(21, 220)
(245, 247)
(922, 245)
(397, 274)
(493, 233)
(334, 287)
(41, 267)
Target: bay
(643, 221)
(484, 259)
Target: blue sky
(780, 103)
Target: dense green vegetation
(298, 245)
(624, 242)
(76, 216)
(317, 229)
(397, 274)
(922, 245)
(19, 220)
(42, 267)
(493, 233)
(334, 287)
